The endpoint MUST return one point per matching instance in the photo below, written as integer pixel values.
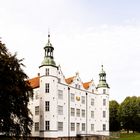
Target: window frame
(92, 101)
(77, 112)
(72, 97)
(36, 110)
(92, 114)
(60, 110)
(83, 99)
(83, 113)
(104, 102)
(47, 125)
(47, 87)
(104, 114)
(83, 126)
(72, 126)
(60, 94)
(47, 71)
(36, 126)
(92, 127)
(47, 105)
(104, 91)
(60, 126)
(72, 111)
(104, 127)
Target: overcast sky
(85, 34)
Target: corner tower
(48, 92)
(103, 103)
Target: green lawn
(131, 136)
(124, 136)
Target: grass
(123, 136)
(131, 136)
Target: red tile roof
(86, 85)
(34, 82)
(69, 80)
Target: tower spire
(48, 58)
(49, 42)
(102, 78)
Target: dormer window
(47, 72)
(77, 86)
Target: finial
(102, 67)
(77, 73)
(49, 43)
(48, 36)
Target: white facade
(67, 107)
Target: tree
(114, 124)
(129, 113)
(15, 92)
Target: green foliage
(126, 136)
(15, 93)
(114, 124)
(129, 113)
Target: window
(47, 106)
(47, 125)
(36, 126)
(83, 113)
(47, 71)
(72, 111)
(60, 94)
(104, 102)
(60, 110)
(59, 80)
(83, 126)
(104, 91)
(77, 127)
(79, 86)
(36, 96)
(92, 101)
(104, 114)
(92, 127)
(92, 90)
(60, 126)
(78, 112)
(47, 87)
(72, 97)
(72, 126)
(104, 127)
(92, 114)
(37, 110)
(83, 99)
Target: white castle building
(67, 107)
